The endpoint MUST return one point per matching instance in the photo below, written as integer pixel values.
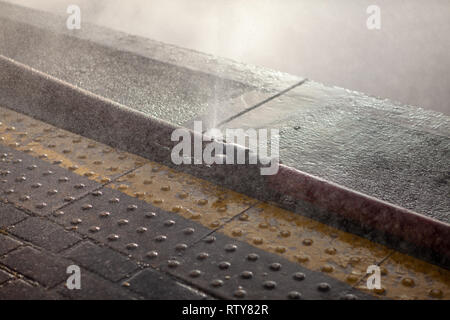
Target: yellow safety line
(314, 245)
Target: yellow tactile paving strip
(181, 193)
(310, 243)
(73, 152)
(316, 246)
(405, 277)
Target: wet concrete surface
(405, 60)
(393, 152)
(164, 91)
(170, 83)
(396, 153)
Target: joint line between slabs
(262, 102)
(228, 221)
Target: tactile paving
(81, 155)
(130, 225)
(181, 193)
(36, 185)
(316, 246)
(188, 250)
(235, 270)
(407, 278)
(169, 219)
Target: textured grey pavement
(393, 152)
(138, 251)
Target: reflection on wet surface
(406, 60)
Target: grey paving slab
(94, 287)
(44, 234)
(5, 276)
(217, 114)
(8, 244)
(104, 261)
(154, 285)
(21, 290)
(10, 215)
(393, 152)
(131, 226)
(41, 266)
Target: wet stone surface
(234, 270)
(21, 290)
(45, 268)
(131, 226)
(44, 234)
(393, 152)
(104, 261)
(8, 244)
(96, 288)
(156, 286)
(10, 215)
(162, 90)
(36, 185)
